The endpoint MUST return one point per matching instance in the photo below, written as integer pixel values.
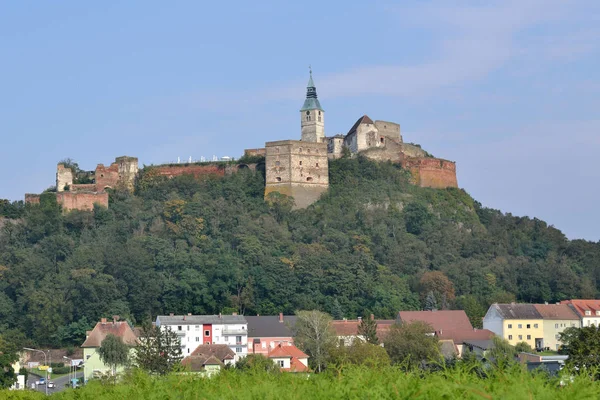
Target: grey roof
(311, 102)
(518, 311)
(199, 319)
(269, 326)
(482, 344)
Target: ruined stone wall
(255, 152)
(81, 201)
(334, 147)
(64, 177)
(107, 177)
(432, 172)
(391, 151)
(410, 150)
(296, 168)
(31, 198)
(197, 170)
(128, 170)
(389, 129)
(83, 187)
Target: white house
(194, 330)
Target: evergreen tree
(336, 310)
(8, 355)
(368, 329)
(430, 302)
(158, 351)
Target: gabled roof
(289, 351)
(440, 320)
(482, 344)
(448, 348)
(556, 311)
(362, 120)
(270, 326)
(517, 311)
(119, 329)
(582, 305)
(199, 319)
(462, 336)
(350, 327)
(221, 351)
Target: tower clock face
(308, 113)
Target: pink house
(265, 333)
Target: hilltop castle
(297, 168)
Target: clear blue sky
(509, 90)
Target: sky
(508, 89)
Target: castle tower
(312, 116)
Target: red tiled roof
(460, 336)
(350, 327)
(556, 311)
(296, 366)
(102, 329)
(293, 353)
(221, 351)
(581, 306)
(439, 320)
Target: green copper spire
(311, 102)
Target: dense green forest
(373, 244)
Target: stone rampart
(197, 170)
(83, 187)
(432, 172)
(81, 201)
(64, 177)
(107, 177)
(31, 198)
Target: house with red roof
(587, 310)
(439, 320)
(471, 339)
(93, 366)
(209, 358)
(289, 358)
(265, 332)
(347, 329)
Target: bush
(60, 370)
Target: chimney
(103, 321)
(234, 313)
(280, 317)
(372, 317)
(171, 314)
(115, 319)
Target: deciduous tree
(314, 336)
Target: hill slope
(374, 243)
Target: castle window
(319, 118)
(319, 112)
(381, 140)
(278, 179)
(317, 165)
(300, 162)
(309, 179)
(300, 149)
(308, 150)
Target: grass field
(349, 383)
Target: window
(509, 326)
(308, 150)
(557, 336)
(317, 165)
(509, 337)
(300, 162)
(264, 345)
(520, 326)
(528, 337)
(179, 328)
(520, 337)
(278, 179)
(197, 338)
(381, 140)
(588, 312)
(300, 150)
(528, 326)
(188, 351)
(309, 179)
(238, 339)
(535, 326)
(238, 349)
(280, 363)
(188, 327)
(197, 327)
(555, 326)
(207, 333)
(319, 118)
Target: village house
(557, 318)
(265, 332)
(209, 358)
(289, 358)
(194, 330)
(347, 329)
(516, 323)
(439, 320)
(587, 310)
(93, 365)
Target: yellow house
(516, 323)
(557, 318)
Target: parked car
(42, 381)
(51, 385)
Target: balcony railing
(235, 331)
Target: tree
(336, 309)
(314, 336)
(359, 353)
(438, 283)
(113, 352)
(158, 351)
(8, 356)
(582, 345)
(473, 308)
(417, 217)
(503, 353)
(412, 345)
(257, 362)
(523, 347)
(368, 329)
(430, 302)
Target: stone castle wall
(197, 170)
(432, 172)
(298, 169)
(64, 177)
(81, 201)
(389, 129)
(31, 198)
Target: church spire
(311, 102)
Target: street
(59, 383)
